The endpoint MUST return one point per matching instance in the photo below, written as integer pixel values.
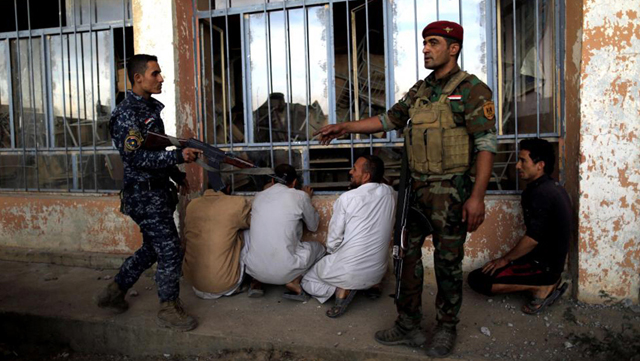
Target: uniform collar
(431, 79)
(151, 102)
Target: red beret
(447, 29)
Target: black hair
(137, 64)
(540, 150)
(453, 41)
(374, 167)
(286, 172)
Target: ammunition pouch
(435, 144)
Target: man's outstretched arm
(332, 131)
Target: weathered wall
(66, 223)
(153, 35)
(60, 223)
(610, 150)
(570, 145)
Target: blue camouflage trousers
(441, 202)
(153, 211)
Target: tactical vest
(435, 144)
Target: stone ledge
(63, 258)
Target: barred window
(62, 66)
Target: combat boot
(172, 315)
(112, 297)
(398, 335)
(443, 341)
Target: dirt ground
(491, 328)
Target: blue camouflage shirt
(130, 122)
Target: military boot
(399, 335)
(112, 297)
(443, 341)
(172, 315)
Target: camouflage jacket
(130, 122)
(474, 109)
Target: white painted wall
(153, 24)
(610, 151)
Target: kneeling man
(536, 262)
(358, 238)
(276, 254)
(213, 230)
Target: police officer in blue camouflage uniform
(149, 197)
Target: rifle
(403, 212)
(213, 157)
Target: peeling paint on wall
(610, 151)
(94, 224)
(67, 223)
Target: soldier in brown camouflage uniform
(449, 198)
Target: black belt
(150, 184)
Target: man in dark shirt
(536, 262)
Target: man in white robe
(358, 238)
(276, 254)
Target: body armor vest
(435, 144)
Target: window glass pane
(546, 82)
(408, 62)
(297, 100)
(5, 97)
(227, 81)
(11, 175)
(359, 61)
(474, 49)
(528, 84)
(29, 90)
(103, 11)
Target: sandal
(300, 297)
(538, 304)
(341, 304)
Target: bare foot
(294, 286)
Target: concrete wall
(70, 223)
(609, 226)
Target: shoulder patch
(148, 121)
(489, 110)
(133, 141)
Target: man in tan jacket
(214, 227)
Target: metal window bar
(64, 104)
(33, 97)
(538, 87)
(267, 29)
(415, 31)
(124, 45)
(226, 23)
(213, 84)
(198, 42)
(48, 144)
(93, 108)
(349, 82)
(21, 118)
(307, 90)
(366, 12)
(515, 83)
(287, 50)
(265, 7)
(78, 174)
(12, 129)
